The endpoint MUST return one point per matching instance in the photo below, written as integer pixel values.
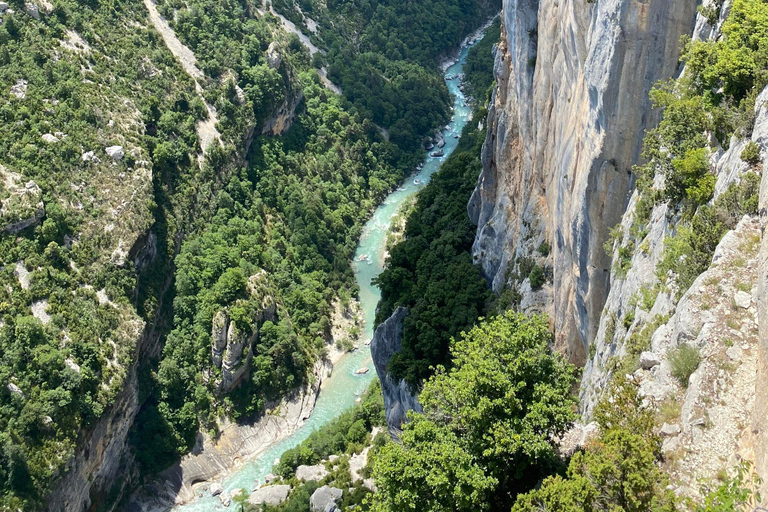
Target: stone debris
(90, 156)
(20, 89)
(735, 353)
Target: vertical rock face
(231, 346)
(398, 399)
(565, 128)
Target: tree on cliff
(486, 431)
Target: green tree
(618, 472)
(504, 399)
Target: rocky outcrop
(232, 344)
(21, 203)
(398, 398)
(565, 127)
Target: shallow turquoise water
(340, 391)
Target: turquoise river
(340, 391)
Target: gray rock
(668, 430)
(32, 9)
(116, 152)
(325, 498)
(742, 299)
(311, 473)
(3, 7)
(398, 399)
(648, 360)
(50, 138)
(270, 478)
(270, 495)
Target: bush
(751, 153)
(684, 360)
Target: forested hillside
(148, 201)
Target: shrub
(544, 249)
(751, 153)
(537, 277)
(684, 360)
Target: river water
(340, 391)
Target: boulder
(16, 390)
(311, 473)
(216, 488)
(116, 152)
(225, 498)
(441, 144)
(270, 478)
(324, 499)
(50, 138)
(648, 360)
(3, 7)
(270, 495)
(742, 299)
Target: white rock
(16, 390)
(225, 498)
(648, 360)
(270, 478)
(742, 299)
(50, 138)
(311, 473)
(216, 488)
(271, 495)
(668, 430)
(115, 152)
(3, 7)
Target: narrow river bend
(340, 391)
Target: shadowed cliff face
(566, 126)
(398, 399)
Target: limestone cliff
(565, 128)
(398, 398)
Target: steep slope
(564, 130)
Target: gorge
(197, 201)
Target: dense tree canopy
(492, 416)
